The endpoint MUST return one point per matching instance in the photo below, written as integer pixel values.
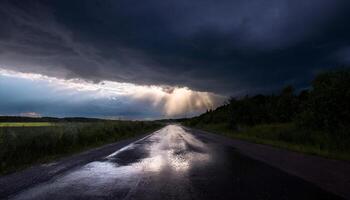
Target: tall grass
(22, 146)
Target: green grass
(23, 146)
(287, 136)
(25, 124)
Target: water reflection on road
(171, 151)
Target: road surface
(174, 163)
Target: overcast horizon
(158, 59)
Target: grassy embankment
(23, 144)
(287, 136)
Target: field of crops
(25, 124)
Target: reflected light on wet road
(175, 163)
(170, 150)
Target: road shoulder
(328, 174)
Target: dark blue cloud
(228, 47)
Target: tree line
(325, 106)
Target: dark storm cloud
(228, 47)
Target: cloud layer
(231, 47)
(29, 94)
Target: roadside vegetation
(24, 145)
(315, 121)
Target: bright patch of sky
(50, 96)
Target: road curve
(174, 163)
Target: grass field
(24, 144)
(288, 136)
(25, 124)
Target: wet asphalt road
(174, 163)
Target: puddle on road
(170, 149)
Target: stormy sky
(161, 58)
